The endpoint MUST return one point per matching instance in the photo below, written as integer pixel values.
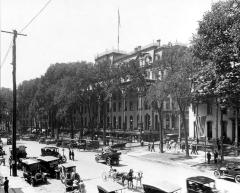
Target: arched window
(119, 122)
(147, 122)
(114, 122)
(108, 121)
(131, 122)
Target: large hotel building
(127, 113)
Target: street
(90, 171)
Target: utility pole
(14, 157)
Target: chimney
(159, 42)
(136, 49)
(139, 48)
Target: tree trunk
(236, 133)
(72, 129)
(160, 130)
(216, 119)
(182, 112)
(222, 157)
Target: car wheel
(96, 159)
(217, 174)
(64, 159)
(33, 182)
(108, 161)
(237, 179)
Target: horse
(129, 177)
(138, 178)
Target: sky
(76, 30)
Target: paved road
(90, 171)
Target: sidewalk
(179, 158)
(16, 184)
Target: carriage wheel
(62, 178)
(64, 159)
(104, 176)
(237, 179)
(217, 174)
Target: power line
(38, 13)
(6, 55)
(9, 48)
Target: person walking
(149, 146)
(153, 148)
(208, 157)
(215, 156)
(72, 155)
(6, 185)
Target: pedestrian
(6, 185)
(208, 157)
(192, 149)
(196, 149)
(72, 155)
(153, 148)
(149, 146)
(215, 156)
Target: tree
(216, 44)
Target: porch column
(123, 109)
(110, 111)
(140, 106)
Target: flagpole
(118, 27)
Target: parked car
(53, 151)
(199, 184)
(50, 141)
(82, 144)
(20, 151)
(42, 140)
(229, 171)
(161, 187)
(49, 165)
(9, 141)
(32, 173)
(110, 187)
(68, 168)
(109, 156)
(2, 152)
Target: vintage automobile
(9, 141)
(231, 170)
(50, 141)
(53, 151)
(32, 172)
(161, 187)
(201, 184)
(65, 170)
(20, 152)
(42, 140)
(49, 165)
(2, 152)
(82, 144)
(109, 156)
(110, 187)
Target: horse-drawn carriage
(71, 178)
(53, 151)
(121, 177)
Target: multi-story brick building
(128, 113)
